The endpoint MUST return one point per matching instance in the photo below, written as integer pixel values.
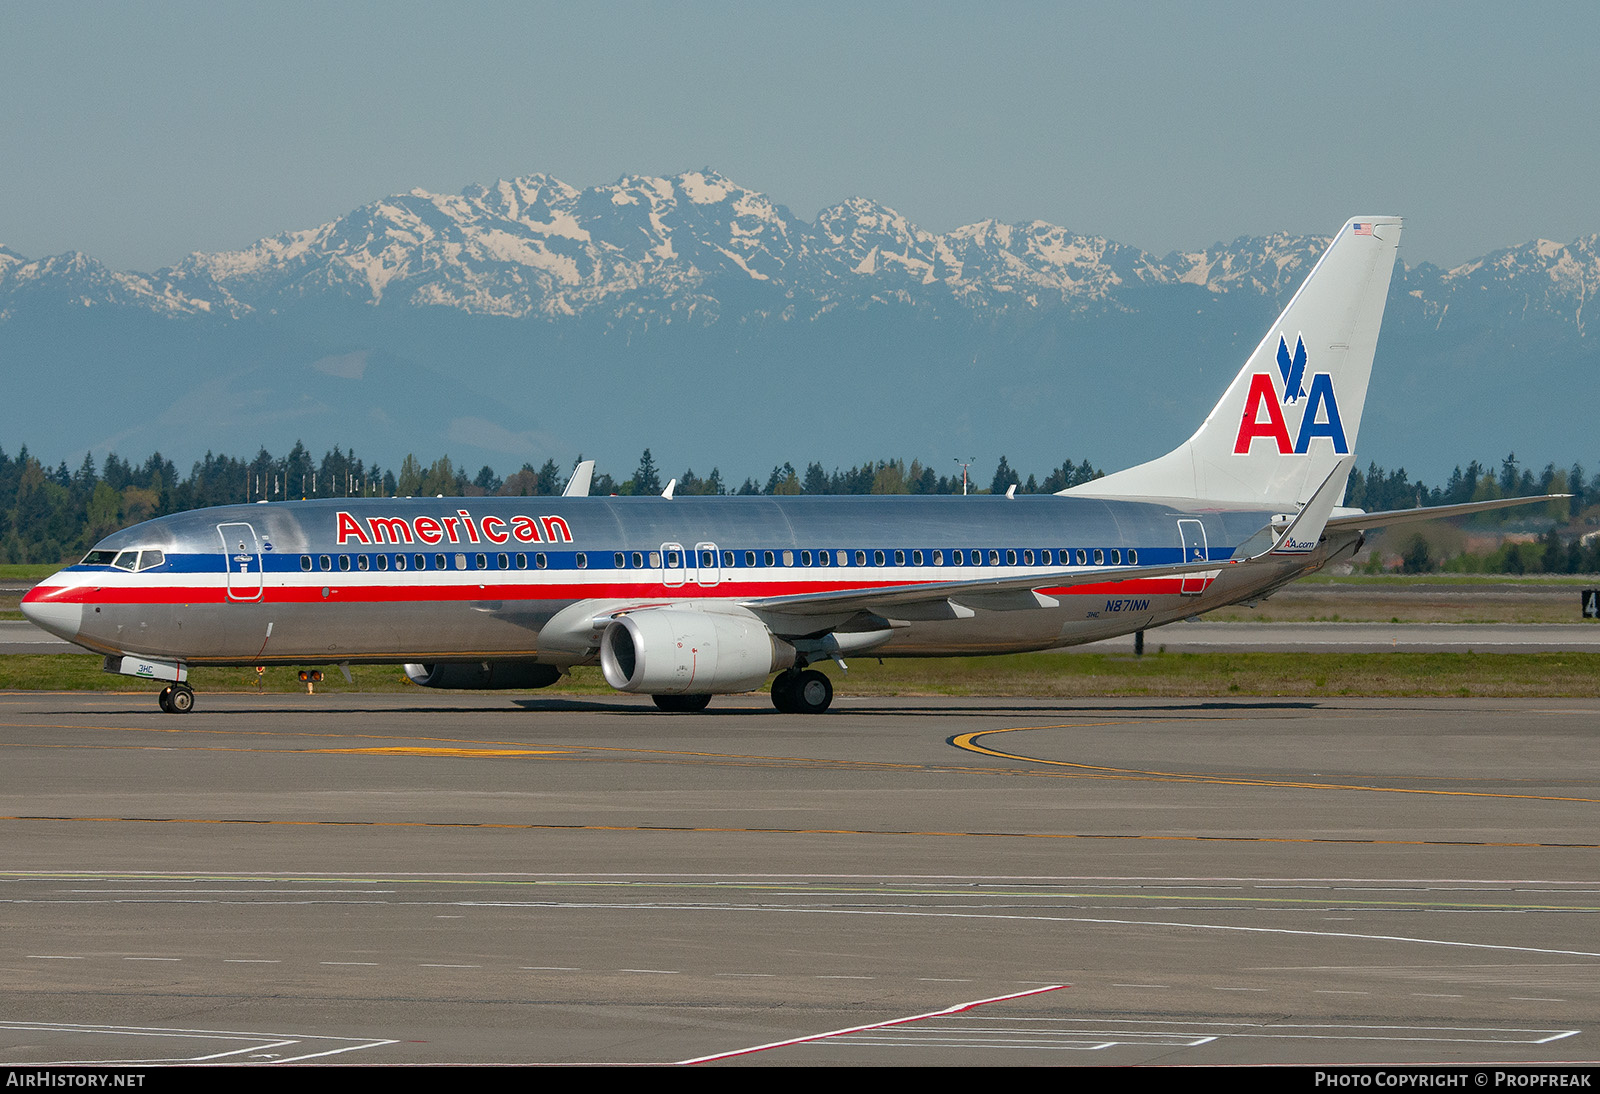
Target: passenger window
(1011, 558)
(823, 558)
(481, 562)
(522, 562)
(1116, 558)
(638, 560)
(362, 562)
(727, 558)
(938, 558)
(749, 558)
(861, 558)
(708, 558)
(1099, 557)
(655, 559)
(399, 562)
(1044, 557)
(503, 561)
(344, 562)
(440, 562)
(1083, 557)
(421, 561)
(899, 558)
(305, 563)
(768, 559)
(383, 562)
(672, 559)
(958, 558)
(1133, 557)
(461, 562)
(581, 559)
(805, 558)
(540, 560)
(916, 558)
(325, 562)
(788, 558)
(841, 558)
(1027, 558)
(994, 558)
(617, 560)
(877, 558)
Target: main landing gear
(177, 698)
(802, 692)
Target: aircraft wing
(1009, 593)
(978, 593)
(1389, 518)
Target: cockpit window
(131, 561)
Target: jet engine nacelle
(485, 675)
(674, 651)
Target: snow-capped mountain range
(535, 247)
(698, 270)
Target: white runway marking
(258, 1047)
(1092, 1035)
(956, 1009)
(1021, 918)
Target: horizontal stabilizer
(1391, 517)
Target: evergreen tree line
(49, 515)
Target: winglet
(578, 485)
(1305, 530)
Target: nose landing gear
(177, 698)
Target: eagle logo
(1293, 370)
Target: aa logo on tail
(1264, 419)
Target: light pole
(969, 462)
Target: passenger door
(242, 557)
(1193, 534)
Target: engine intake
(672, 651)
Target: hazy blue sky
(141, 132)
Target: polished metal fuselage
(463, 579)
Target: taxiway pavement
(484, 879)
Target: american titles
(461, 528)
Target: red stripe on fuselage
(563, 591)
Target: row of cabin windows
(675, 560)
(420, 562)
(957, 557)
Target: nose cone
(45, 610)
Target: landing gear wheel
(165, 699)
(807, 692)
(682, 704)
(181, 701)
(814, 694)
(785, 692)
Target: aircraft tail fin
(1293, 412)
(578, 484)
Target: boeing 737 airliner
(686, 598)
